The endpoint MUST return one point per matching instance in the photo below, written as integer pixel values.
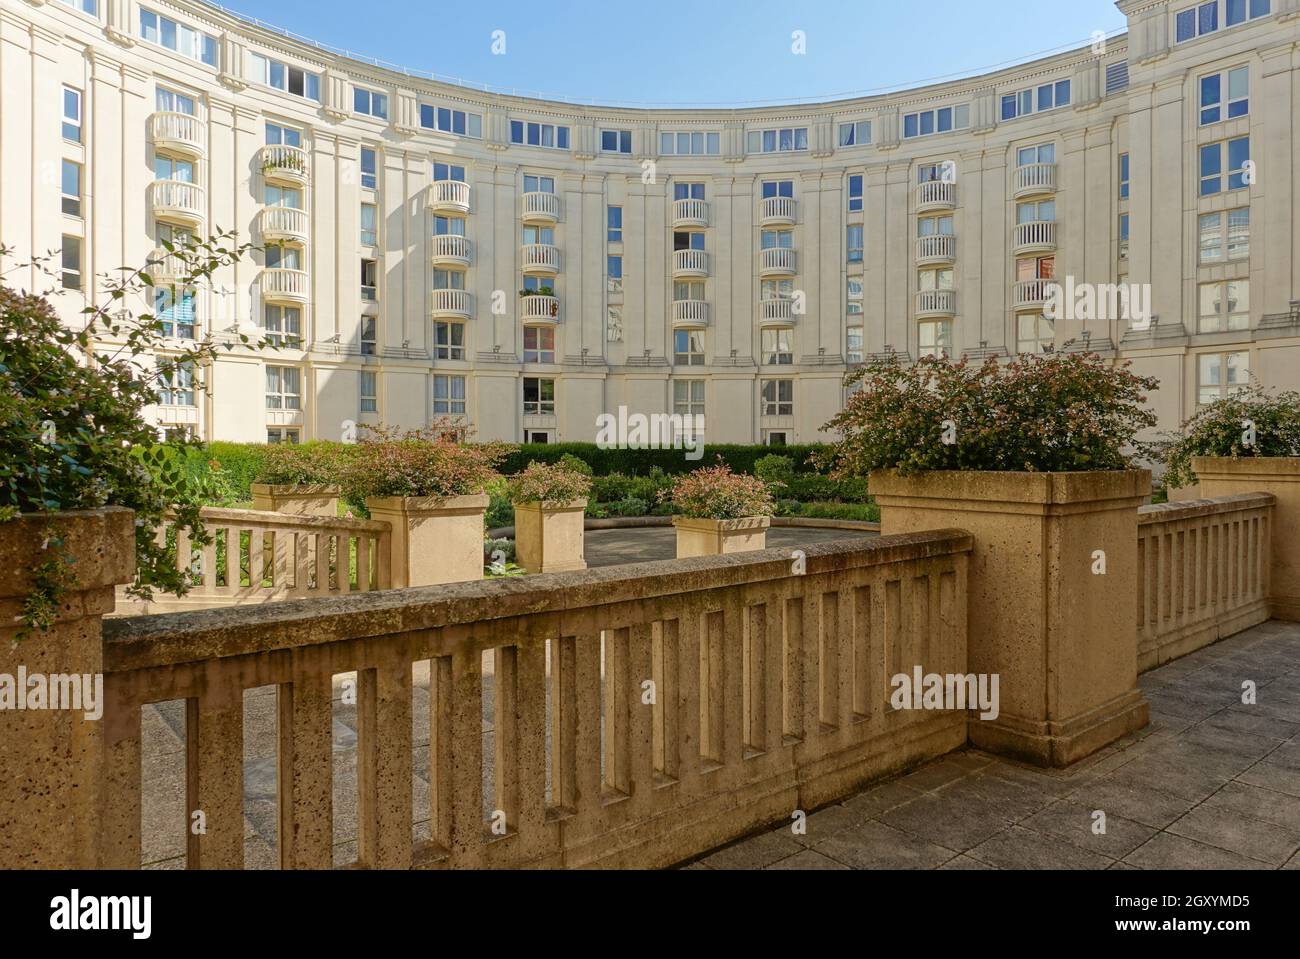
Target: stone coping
(572, 506)
(297, 489)
(990, 487)
(101, 541)
(708, 524)
(1279, 467)
(172, 638)
(1190, 508)
(473, 503)
(648, 522)
(219, 516)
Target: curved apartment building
(431, 250)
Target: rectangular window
(448, 280)
(695, 143)
(616, 141)
(934, 226)
(283, 258)
(277, 434)
(174, 310)
(1047, 96)
(1224, 306)
(448, 226)
(1225, 158)
(72, 114)
(853, 295)
(934, 338)
(278, 135)
(688, 191)
(1220, 375)
(784, 140)
(71, 188)
(369, 335)
(370, 103)
(538, 184)
(369, 169)
(1039, 153)
(281, 76)
(1123, 176)
(449, 171)
(778, 397)
(283, 196)
(1035, 333)
(855, 243)
(1217, 244)
(1225, 96)
(778, 347)
(176, 384)
(688, 397)
(169, 101)
(943, 120)
(688, 348)
(369, 392)
(167, 168)
(614, 272)
(1123, 236)
(1041, 211)
(855, 193)
(778, 188)
(855, 134)
(369, 217)
(446, 120)
(283, 326)
(283, 388)
(614, 224)
(449, 395)
(85, 6)
(448, 341)
(539, 397)
(71, 257)
(853, 345)
(688, 290)
(188, 42)
(539, 135)
(369, 272)
(539, 344)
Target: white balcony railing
(540, 258)
(283, 163)
(539, 309)
(777, 211)
(1029, 293)
(777, 261)
(776, 311)
(541, 208)
(450, 250)
(690, 213)
(167, 267)
(936, 195)
(279, 284)
(690, 313)
(1035, 235)
(690, 263)
(940, 248)
(936, 303)
(449, 196)
(176, 200)
(1035, 178)
(451, 303)
(282, 224)
(177, 133)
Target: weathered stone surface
(550, 539)
(304, 500)
(711, 537)
(433, 541)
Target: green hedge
(639, 462)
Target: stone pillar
(1060, 634)
(53, 758)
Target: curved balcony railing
(776, 311)
(449, 196)
(450, 250)
(690, 213)
(451, 303)
(936, 303)
(1035, 178)
(1035, 236)
(282, 224)
(690, 313)
(538, 308)
(777, 211)
(177, 133)
(940, 248)
(935, 195)
(1031, 293)
(777, 261)
(280, 284)
(541, 208)
(540, 258)
(176, 200)
(283, 163)
(690, 263)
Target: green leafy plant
(775, 468)
(1251, 422)
(540, 291)
(551, 484)
(432, 462)
(1057, 412)
(291, 464)
(715, 492)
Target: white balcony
(449, 250)
(777, 261)
(289, 285)
(177, 200)
(690, 263)
(936, 249)
(537, 310)
(454, 303)
(777, 211)
(935, 195)
(1031, 293)
(167, 268)
(1035, 178)
(449, 196)
(941, 303)
(1038, 236)
(688, 213)
(776, 311)
(177, 133)
(281, 163)
(690, 314)
(282, 224)
(540, 259)
(541, 208)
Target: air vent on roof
(1116, 77)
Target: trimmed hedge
(603, 462)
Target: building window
(539, 344)
(853, 345)
(369, 392)
(616, 141)
(855, 242)
(934, 226)
(281, 76)
(539, 397)
(283, 325)
(449, 395)
(1035, 333)
(688, 348)
(695, 143)
(369, 274)
(1224, 306)
(188, 42)
(281, 435)
(785, 140)
(448, 280)
(1213, 155)
(776, 240)
(277, 135)
(448, 171)
(174, 310)
(928, 280)
(778, 397)
(539, 285)
(538, 236)
(855, 193)
(934, 338)
(687, 240)
(71, 188)
(943, 120)
(1123, 176)
(283, 388)
(1044, 97)
(688, 191)
(1123, 236)
(853, 295)
(614, 224)
(369, 217)
(369, 169)
(1036, 268)
(855, 134)
(1042, 153)
(1218, 245)
(688, 397)
(85, 6)
(614, 325)
(168, 168)
(614, 272)
(176, 384)
(1225, 96)
(445, 120)
(283, 258)
(369, 335)
(72, 114)
(538, 184)
(778, 347)
(448, 341)
(1220, 375)
(448, 226)
(1040, 211)
(169, 101)
(778, 188)
(370, 103)
(684, 290)
(1203, 18)
(71, 263)
(539, 134)
(283, 196)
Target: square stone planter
(1279, 475)
(713, 537)
(1061, 638)
(307, 500)
(433, 540)
(550, 539)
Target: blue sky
(714, 51)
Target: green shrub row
(603, 462)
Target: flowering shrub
(290, 464)
(1058, 412)
(429, 462)
(1249, 423)
(551, 484)
(717, 493)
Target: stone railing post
(52, 759)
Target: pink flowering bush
(434, 463)
(551, 484)
(715, 492)
(1059, 412)
(1252, 422)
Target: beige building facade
(428, 250)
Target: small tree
(1248, 423)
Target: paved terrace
(1210, 784)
